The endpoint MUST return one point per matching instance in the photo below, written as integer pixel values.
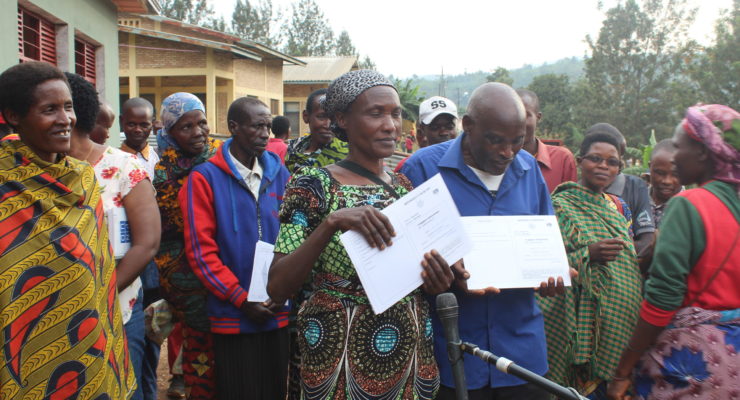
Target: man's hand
(550, 289)
(461, 278)
(257, 312)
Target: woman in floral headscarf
(184, 143)
(692, 306)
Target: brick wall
(274, 81)
(249, 74)
(198, 80)
(155, 57)
(223, 61)
(221, 109)
(302, 91)
(123, 50)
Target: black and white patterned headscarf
(345, 89)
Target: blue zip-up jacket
(222, 224)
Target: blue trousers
(150, 361)
(135, 336)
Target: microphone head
(446, 306)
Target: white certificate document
(263, 254)
(514, 251)
(425, 219)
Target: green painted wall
(94, 19)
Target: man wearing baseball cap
(437, 123)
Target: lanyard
(362, 171)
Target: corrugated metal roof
(138, 6)
(235, 43)
(319, 69)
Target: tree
(500, 75)
(307, 32)
(196, 12)
(253, 21)
(717, 70)
(408, 94)
(554, 93)
(217, 24)
(637, 67)
(366, 63)
(344, 46)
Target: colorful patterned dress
(348, 352)
(296, 157)
(692, 291)
(588, 327)
(179, 285)
(60, 324)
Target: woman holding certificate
(588, 327)
(347, 350)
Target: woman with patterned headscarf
(184, 143)
(687, 339)
(349, 352)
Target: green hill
(458, 87)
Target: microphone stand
(508, 367)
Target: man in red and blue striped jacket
(230, 203)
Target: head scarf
(345, 89)
(718, 128)
(179, 286)
(173, 108)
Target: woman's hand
(366, 220)
(617, 389)
(605, 250)
(461, 278)
(437, 275)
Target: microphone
(507, 366)
(447, 313)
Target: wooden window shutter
(85, 60)
(36, 38)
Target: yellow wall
(203, 70)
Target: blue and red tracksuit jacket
(222, 223)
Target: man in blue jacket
(229, 203)
(488, 175)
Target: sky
(425, 37)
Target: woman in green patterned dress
(348, 351)
(588, 327)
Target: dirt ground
(163, 374)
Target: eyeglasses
(612, 162)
